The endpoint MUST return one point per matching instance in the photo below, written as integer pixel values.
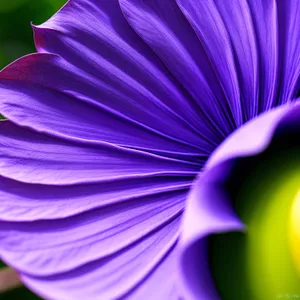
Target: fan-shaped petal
(265, 21)
(289, 49)
(56, 246)
(33, 157)
(30, 202)
(111, 121)
(128, 74)
(210, 28)
(238, 22)
(127, 269)
(44, 101)
(162, 25)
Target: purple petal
(32, 157)
(207, 22)
(237, 18)
(53, 254)
(129, 76)
(158, 285)
(250, 139)
(209, 210)
(289, 49)
(57, 246)
(112, 277)
(264, 17)
(162, 25)
(30, 202)
(114, 117)
(48, 99)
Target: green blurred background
(15, 31)
(16, 40)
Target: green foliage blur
(16, 37)
(16, 40)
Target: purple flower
(110, 123)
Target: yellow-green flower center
(264, 262)
(294, 232)
(270, 266)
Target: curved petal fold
(33, 157)
(56, 246)
(206, 20)
(127, 269)
(128, 73)
(265, 21)
(64, 93)
(289, 49)
(209, 208)
(165, 29)
(110, 122)
(237, 19)
(30, 202)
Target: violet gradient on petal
(112, 122)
